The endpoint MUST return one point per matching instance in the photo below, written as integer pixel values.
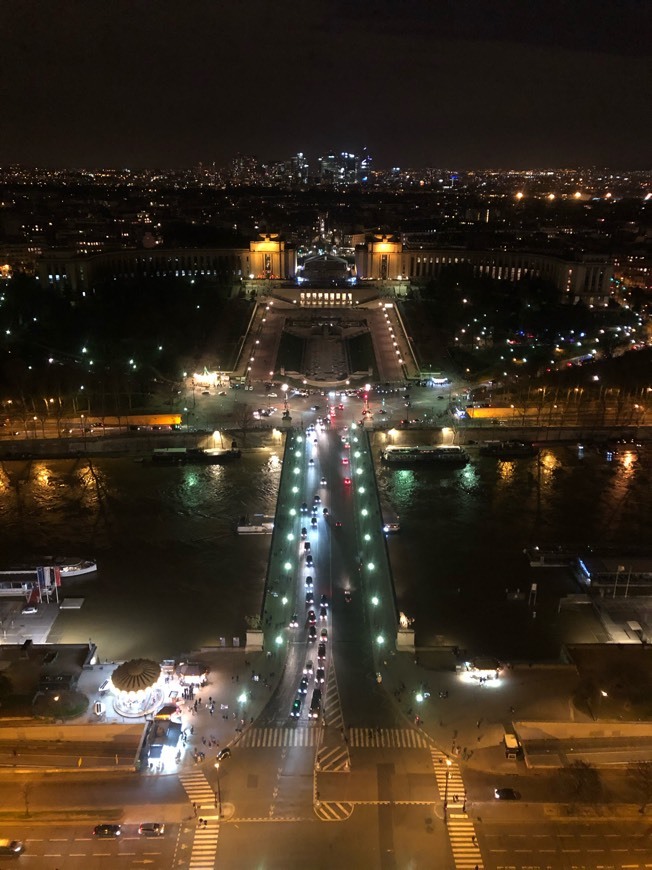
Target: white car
(308, 668)
(272, 395)
(29, 609)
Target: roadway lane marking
(461, 830)
(197, 788)
(333, 811)
(272, 738)
(387, 738)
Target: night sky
(447, 83)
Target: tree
(641, 773)
(584, 780)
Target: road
(360, 766)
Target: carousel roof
(136, 675)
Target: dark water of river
(174, 577)
(463, 532)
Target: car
(303, 686)
(314, 407)
(323, 636)
(320, 676)
(506, 794)
(310, 598)
(311, 462)
(224, 753)
(315, 704)
(308, 582)
(272, 395)
(107, 831)
(440, 398)
(312, 634)
(324, 600)
(304, 508)
(294, 621)
(325, 512)
(222, 393)
(313, 522)
(323, 481)
(316, 499)
(308, 668)
(295, 712)
(29, 610)
(345, 460)
(11, 847)
(152, 829)
(306, 547)
(311, 617)
(313, 510)
(340, 407)
(347, 481)
(321, 652)
(205, 392)
(304, 532)
(346, 445)
(309, 561)
(315, 441)
(323, 613)
(347, 596)
(338, 524)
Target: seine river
(173, 576)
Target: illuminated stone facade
(392, 265)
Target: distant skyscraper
(299, 168)
(344, 168)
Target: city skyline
(504, 84)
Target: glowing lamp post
(285, 389)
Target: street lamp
(448, 773)
(285, 388)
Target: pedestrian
(477, 724)
(201, 821)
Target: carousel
(136, 688)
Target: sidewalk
(470, 718)
(238, 686)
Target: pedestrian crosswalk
(461, 832)
(197, 788)
(204, 846)
(268, 738)
(464, 846)
(309, 736)
(387, 738)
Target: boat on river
(69, 566)
(508, 449)
(438, 454)
(258, 524)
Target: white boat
(69, 566)
(257, 525)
